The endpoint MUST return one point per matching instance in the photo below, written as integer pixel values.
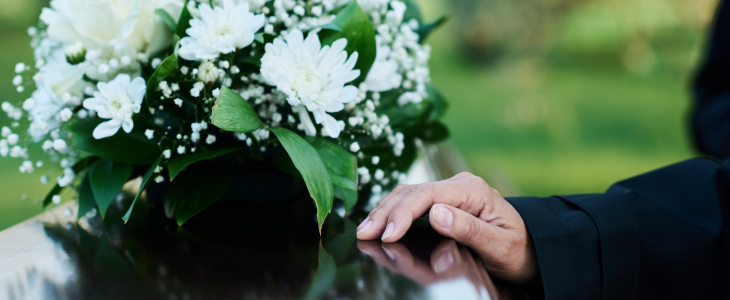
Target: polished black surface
(233, 251)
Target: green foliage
(77, 167)
(131, 148)
(184, 22)
(424, 30)
(233, 113)
(166, 18)
(86, 197)
(433, 132)
(107, 178)
(357, 28)
(195, 190)
(412, 11)
(312, 169)
(342, 168)
(168, 67)
(178, 163)
(145, 181)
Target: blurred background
(547, 96)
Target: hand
(466, 209)
(448, 263)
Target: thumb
(466, 229)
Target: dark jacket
(661, 235)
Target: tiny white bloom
(313, 77)
(156, 63)
(178, 102)
(317, 10)
(181, 149)
(13, 139)
(355, 147)
(56, 199)
(117, 100)
(65, 114)
(379, 174)
(184, 70)
(216, 93)
(220, 30)
(167, 153)
(126, 61)
(376, 160)
(149, 133)
(28, 104)
(6, 131)
(17, 80)
(269, 29)
(299, 10)
(19, 68)
(47, 145)
(210, 139)
(159, 179)
(59, 145)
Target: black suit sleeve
(660, 235)
(711, 117)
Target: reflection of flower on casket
(341, 87)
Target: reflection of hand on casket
(449, 263)
(466, 209)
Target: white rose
(97, 23)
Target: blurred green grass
(574, 111)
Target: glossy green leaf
(324, 278)
(178, 163)
(340, 164)
(312, 169)
(348, 196)
(195, 190)
(166, 18)
(131, 148)
(328, 26)
(233, 113)
(425, 29)
(439, 105)
(264, 38)
(86, 198)
(357, 28)
(77, 167)
(433, 132)
(107, 178)
(145, 181)
(165, 69)
(184, 22)
(412, 11)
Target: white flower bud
(181, 149)
(208, 73)
(210, 139)
(167, 153)
(56, 199)
(65, 114)
(59, 145)
(149, 133)
(178, 102)
(126, 61)
(156, 63)
(376, 160)
(19, 68)
(354, 147)
(13, 139)
(379, 174)
(28, 104)
(6, 131)
(17, 80)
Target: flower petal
(106, 129)
(331, 126)
(309, 128)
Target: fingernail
(365, 226)
(363, 222)
(443, 216)
(388, 230)
(388, 253)
(443, 262)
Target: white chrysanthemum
(220, 30)
(117, 100)
(312, 77)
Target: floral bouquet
(184, 94)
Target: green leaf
(264, 38)
(195, 190)
(166, 18)
(439, 104)
(178, 163)
(167, 67)
(328, 26)
(357, 28)
(77, 167)
(310, 166)
(348, 196)
(324, 278)
(107, 178)
(412, 12)
(425, 29)
(340, 164)
(233, 113)
(86, 198)
(184, 22)
(131, 148)
(433, 132)
(145, 181)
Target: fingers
(396, 212)
(465, 228)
